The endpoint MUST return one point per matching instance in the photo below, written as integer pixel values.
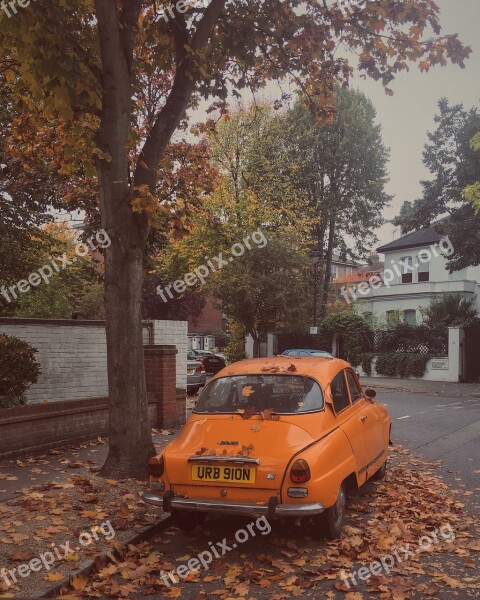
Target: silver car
(196, 376)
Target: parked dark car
(196, 376)
(212, 362)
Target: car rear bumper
(272, 509)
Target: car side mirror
(369, 393)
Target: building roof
(422, 237)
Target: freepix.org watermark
(216, 550)
(200, 274)
(444, 247)
(47, 559)
(9, 7)
(348, 6)
(180, 7)
(386, 563)
(55, 265)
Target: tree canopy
(454, 165)
(101, 87)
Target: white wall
(73, 355)
(448, 368)
(176, 333)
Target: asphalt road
(440, 428)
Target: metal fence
(412, 340)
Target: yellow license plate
(223, 474)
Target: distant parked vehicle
(213, 363)
(196, 376)
(307, 352)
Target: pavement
(419, 386)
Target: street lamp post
(315, 258)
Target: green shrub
(18, 370)
(365, 361)
(401, 365)
(355, 332)
(235, 349)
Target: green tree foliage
(18, 370)
(454, 165)
(266, 289)
(450, 310)
(75, 291)
(353, 330)
(341, 171)
(472, 191)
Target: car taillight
(156, 466)
(200, 369)
(300, 471)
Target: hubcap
(339, 508)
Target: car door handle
(363, 418)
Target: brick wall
(73, 354)
(40, 427)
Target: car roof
(322, 369)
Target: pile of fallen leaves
(46, 515)
(413, 501)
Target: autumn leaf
(78, 582)
(53, 576)
(247, 391)
(22, 555)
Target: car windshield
(251, 394)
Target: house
(356, 276)
(415, 273)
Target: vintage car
(280, 437)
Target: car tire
(380, 474)
(330, 523)
(192, 391)
(187, 521)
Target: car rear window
(281, 394)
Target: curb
(144, 534)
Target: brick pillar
(160, 376)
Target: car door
(349, 420)
(372, 425)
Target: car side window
(355, 392)
(339, 391)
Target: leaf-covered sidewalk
(412, 512)
(57, 506)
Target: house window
(424, 266)
(407, 267)
(410, 317)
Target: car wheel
(192, 391)
(380, 474)
(187, 521)
(330, 522)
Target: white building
(415, 273)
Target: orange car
(280, 437)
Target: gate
(472, 353)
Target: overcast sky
(408, 115)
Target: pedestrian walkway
(419, 386)
(58, 465)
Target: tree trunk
(129, 430)
(328, 268)
(130, 439)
